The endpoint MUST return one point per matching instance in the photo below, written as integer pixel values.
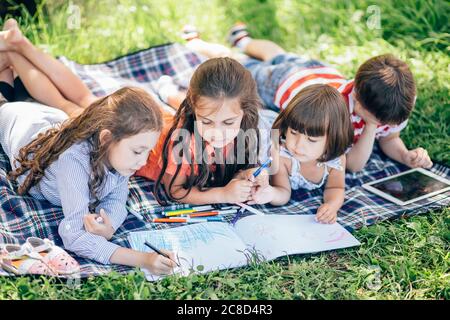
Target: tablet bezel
(368, 186)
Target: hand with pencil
(237, 190)
(260, 179)
(160, 262)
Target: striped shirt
(66, 184)
(301, 78)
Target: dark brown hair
(319, 110)
(385, 86)
(216, 78)
(126, 112)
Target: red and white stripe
(301, 79)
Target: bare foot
(11, 36)
(10, 24)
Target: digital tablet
(409, 186)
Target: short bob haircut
(319, 110)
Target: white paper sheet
(278, 235)
(210, 245)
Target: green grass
(404, 259)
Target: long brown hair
(126, 112)
(319, 110)
(216, 78)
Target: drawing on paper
(336, 237)
(179, 239)
(265, 230)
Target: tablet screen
(410, 186)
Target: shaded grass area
(403, 259)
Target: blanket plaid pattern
(23, 216)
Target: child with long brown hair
(209, 151)
(315, 132)
(83, 165)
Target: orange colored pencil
(168, 220)
(204, 214)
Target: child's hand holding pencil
(260, 179)
(160, 261)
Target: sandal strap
(24, 251)
(38, 244)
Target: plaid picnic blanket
(23, 216)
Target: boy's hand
(326, 214)
(100, 227)
(417, 158)
(237, 190)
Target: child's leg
(68, 83)
(260, 49)
(208, 49)
(263, 49)
(169, 92)
(39, 85)
(6, 85)
(175, 100)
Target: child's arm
(155, 263)
(114, 205)
(393, 146)
(333, 195)
(237, 190)
(73, 186)
(359, 154)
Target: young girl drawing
(207, 154)
(83, 165)
(315, 132)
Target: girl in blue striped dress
(83, 165)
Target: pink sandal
(55, 257)
(20, 261)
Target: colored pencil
(204, 214)
(187, 211)
(264, 165)
(187, 220)
(236, 217)
(251, 209)
(136, 214)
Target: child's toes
(10, 24)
